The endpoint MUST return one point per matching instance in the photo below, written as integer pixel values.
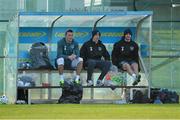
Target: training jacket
(65, 49)
(125, 51)
(91, 50)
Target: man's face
(96, 38)
(69, 37)
(128, 37)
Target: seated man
(68, 56)
(92, 53)
(125, 56)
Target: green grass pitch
(90, 111)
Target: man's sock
(61, 77)
(134, 76)
(77, 78)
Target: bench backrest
(30, 35)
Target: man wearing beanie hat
(125, 56)
(92, 53)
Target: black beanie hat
(94, 32)
(127, 31)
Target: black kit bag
(71, 93)
(39, 56)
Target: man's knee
(107, 65)
(134, 64)
(91, 62)
(125, 66)
(60, 61)
(80, 60)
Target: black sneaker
(137, 80)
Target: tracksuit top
(125, 51)
(65, 49)
(91, 50)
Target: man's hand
(72, 57)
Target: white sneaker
(89, 83)
(99, 83)
(20, 102)
(108, 83)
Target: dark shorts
(123, 62)
(67, 64)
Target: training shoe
(99, 83)
(89, 83)
(137, 80)
(108, 83)
(77, 81)
(61, 82)
(20, 102)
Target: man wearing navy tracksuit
(95, 55)
(125, 56)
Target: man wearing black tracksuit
(92, 53)
(125, 56)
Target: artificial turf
(90, 111)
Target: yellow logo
(76, 34)
(32, 34)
